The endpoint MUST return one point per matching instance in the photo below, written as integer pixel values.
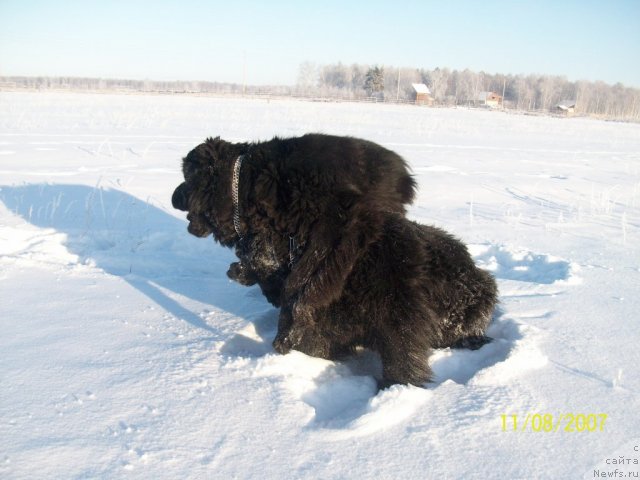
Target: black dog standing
(318, 222)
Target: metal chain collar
(235, 195)
(235, 185)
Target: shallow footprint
(255, 339)
(508, 263)
(512, 351)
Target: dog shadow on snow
(152, 251)
(344, 395)
(134, 240)
(459, 365)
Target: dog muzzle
(179, 199)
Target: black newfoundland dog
(318, 222)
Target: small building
(489, 99)
(423, 94)
(565, 107)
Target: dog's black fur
(325, 238)
(413, 289)
(322, 192)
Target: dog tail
(407, 187)
(486, 300)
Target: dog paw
(472, 343)
(385, 383)
(283, 343)
(280, 346)
(302, 340)
(239, 273)
(235, 271)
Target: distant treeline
(390, 84)
(124, 85)
(455, 87)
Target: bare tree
(334, 77)
(438, 82)
(307, 76)
(357, 76)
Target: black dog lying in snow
(318, 222)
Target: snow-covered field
(126, 353)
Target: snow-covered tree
(374, 82)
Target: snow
(421, 88)
(127, 353)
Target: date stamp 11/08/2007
(548, 422)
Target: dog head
(206, 191)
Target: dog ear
(348, 196)
(266, 191)
(218, 150)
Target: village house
(565, 107)
(489, 99)
(422, 94)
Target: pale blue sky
(209, 40)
